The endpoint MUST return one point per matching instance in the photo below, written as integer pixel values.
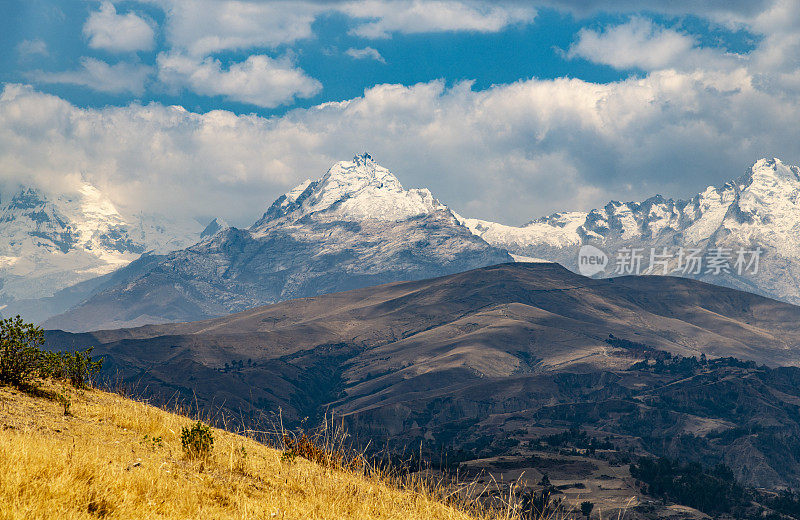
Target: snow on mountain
(358, 226)
(760, 209)
(355, 226)
(558, 230)
(50, 243)
(352, 190)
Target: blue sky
(521, 50)
(505, 110)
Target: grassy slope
(98, 463)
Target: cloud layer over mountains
(686, 116)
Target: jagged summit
(362, 158)
(353, 190)
(25, 199)
(215, 226)
(770, 178)
(351, 177)
(773, 168)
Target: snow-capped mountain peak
(85, 219)
(346, 178)
(353, 190)
(759, 210)
(770, 180)
(355, 226)
(48, 242)
(773, 170)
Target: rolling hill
(452, 359)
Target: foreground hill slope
(354, 227)
(117, 458)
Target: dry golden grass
(117, 458)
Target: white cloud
(367, 53)
(779, 51)
(114, 32)
(203, 27)
(259, 80)
(637, 43)
(28, 48)
(720, 10)
(99, 75)
(510, 152)
(423, 16)
(640, 43)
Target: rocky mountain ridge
(759, 210)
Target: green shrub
(20, 352)
(66, 402)
(76, 367)
(197, 441)
(22, 359)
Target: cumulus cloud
(367, 53)
(421, 16)
(510, 152)
(105, 29)
(640, 43)
(203, 27)
(259, 80)
(779, 51)
(100, 76)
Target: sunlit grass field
(113, 457)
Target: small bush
(311, 448)
(197, 441)
(66, 402)
(20, 352)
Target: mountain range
(357, 226)
(758, 211)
